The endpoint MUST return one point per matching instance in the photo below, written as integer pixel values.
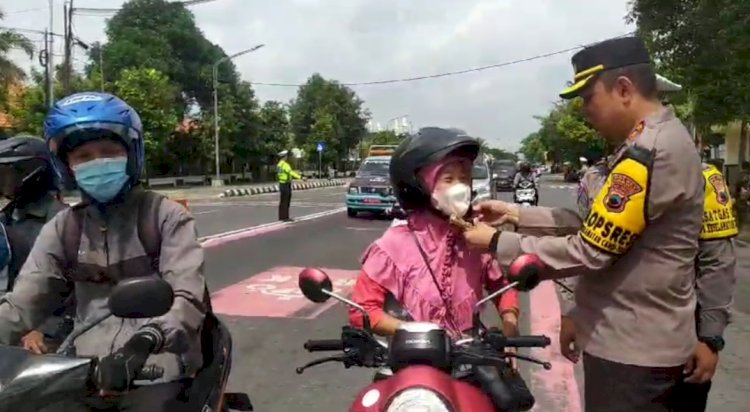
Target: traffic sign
(320, 147)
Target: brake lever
(545, 365)
(316, 362)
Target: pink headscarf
(430, 173)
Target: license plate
(372, 201)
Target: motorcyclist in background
(28, 181)
(525, 173)
(96, 141)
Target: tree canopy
(158, 60)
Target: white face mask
(455, 200)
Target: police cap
(607, 55)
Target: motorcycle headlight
(418, 400)
(353, 189)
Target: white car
(481, 182)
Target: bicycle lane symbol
(275, 293)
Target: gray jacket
(110, 250)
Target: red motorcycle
(432, 373)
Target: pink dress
(393, 263)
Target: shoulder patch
(618, 213)
(717, 181)
(637, 130)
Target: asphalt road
(254, 284)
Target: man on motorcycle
(27, 180)
(525, 173)
(423, 262)
(96, 141)
(637, 247)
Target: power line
(445, 74)
(25, 10)
(21, 30)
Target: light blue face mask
(102, 179)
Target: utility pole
(43, 60)
(67, 69)
(50, 64)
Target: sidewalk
(731, 388)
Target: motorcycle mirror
(525, 272)
(314, 283)
(141, 297)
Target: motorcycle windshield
(29, 381)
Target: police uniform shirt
(636, 249)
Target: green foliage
(151, 94)
(705, 46)
(158, 61)
(564, 136)
(325, 111)
(9, 71)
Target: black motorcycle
(58, 382)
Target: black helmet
(428, 146)
(525, 167)
(30, 158)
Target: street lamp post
(217, 182)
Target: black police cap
(607, 55)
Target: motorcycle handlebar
(150, 373)
(530, 341)
(323, 345)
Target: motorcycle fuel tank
(29, 382)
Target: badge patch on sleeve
(719, 220)
(618, 213)
(717, 181)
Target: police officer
(284, 176)
(28, 182)
(636, 249)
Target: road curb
(271, 188)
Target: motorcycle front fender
(460, 395)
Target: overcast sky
(368, 40)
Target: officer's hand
(34, 342)
(497, 212)
(702, 365)
(479, 235)
(568, 346)
(115, 372)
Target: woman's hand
(510, 328)
(34, 342)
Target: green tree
(29, 111)
(151, 94)
(163, 35)
(705, 46)
(10, 72)
(338, 113)
(564, 135)
(274, 130)
(532, 148)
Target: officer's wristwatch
(715, 343)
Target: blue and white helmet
(84, 117)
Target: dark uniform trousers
(285, 199)
(631, 388)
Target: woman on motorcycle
(423, 262)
